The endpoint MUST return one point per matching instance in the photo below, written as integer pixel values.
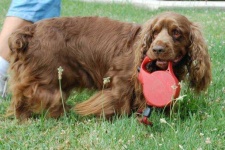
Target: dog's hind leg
(49, 101)
(41, 100)
(18, 108)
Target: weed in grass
(60, 71)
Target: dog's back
(85, 44)
(85, 47)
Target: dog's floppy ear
(200, 66)
(141, 47)
(146, 37)
(145, 40)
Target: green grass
(197, 122)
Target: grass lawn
(197, 123)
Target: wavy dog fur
(92, 48)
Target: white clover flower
(174, 87)
(181, 97)
(208, 140)
(163, 120)
(201, 134)
(181, 147)
(106, 80)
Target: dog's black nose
(158, 49)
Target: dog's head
(172, 37)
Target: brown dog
(92, 48)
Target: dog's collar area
(146, 114)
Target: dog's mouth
(163, 64)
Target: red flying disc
(160, 88)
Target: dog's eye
(176, 34)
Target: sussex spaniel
(90, 49)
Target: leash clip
(146, 114)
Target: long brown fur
(92, 48)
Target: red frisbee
(160, 88)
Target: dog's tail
(100, 104)
(105, 104)
(19, 40)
